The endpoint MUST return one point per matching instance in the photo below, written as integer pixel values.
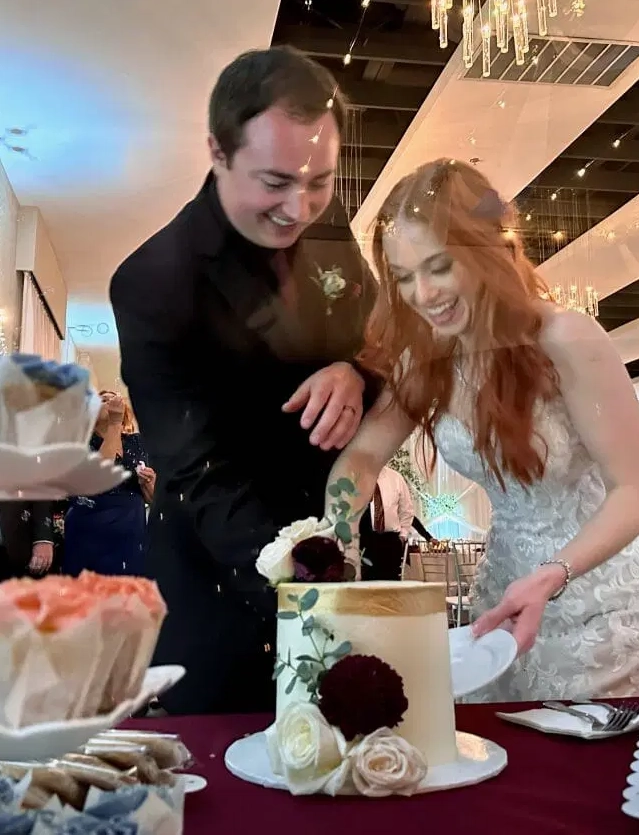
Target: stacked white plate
(631, 793)
(55, 472)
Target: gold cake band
(340, 599)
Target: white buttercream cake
(402, 623)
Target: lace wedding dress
(588, 645)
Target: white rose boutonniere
(275, 561)
(304, 748)
(383, 764)
(332, 283)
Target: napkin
(43, 402)
(554, 722)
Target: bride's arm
(603, 407)
(381, 433)
(604, 410)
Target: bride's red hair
(465, 213)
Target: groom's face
(281, 179)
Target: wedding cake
(364, 692)
(403, 624)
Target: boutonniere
(334, 286)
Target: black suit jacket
(22, 524)
(209, 355)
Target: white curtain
(37, 333)
(455, 508)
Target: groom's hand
(336, 393)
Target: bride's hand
(523, 605)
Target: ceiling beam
(592, 209)
(420, 3)
(378, 135)
(370, 168)
(565, 176)
(413, 44)
(623, 112)
(628, 150)
(374, 96)
(633, 369)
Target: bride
(530, 401)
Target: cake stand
(54, 472)
(48, 740)
(477, 760)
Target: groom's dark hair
(262, 78)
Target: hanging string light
(4, 347)
(507, 22)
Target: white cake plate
(477, 662)
(47, 740)
(55, 472)
(477, 760)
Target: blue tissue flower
(85, 824)
(6, 792)
(121, 803)
(49, 372)
(15, 824)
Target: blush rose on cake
(72, 648)
(364, 694)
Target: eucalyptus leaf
(304, 672)
(343, 507)
(366, 561)
(291, 686)
(333, 490)
(287, 615)
(309, 626)
(343, 532)
(308, 658)
(345, 648)
(345, 485)
(293, 597)
(279, 669)
(309, 600)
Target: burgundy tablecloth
(552, 786)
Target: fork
(595, 724)
(619, 719)
(628, 712)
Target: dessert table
(552, 786)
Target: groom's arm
(179, 414)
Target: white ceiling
(515, 129)
(114, 98)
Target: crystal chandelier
(584, 300)
(508, 20)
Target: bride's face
(428, 279)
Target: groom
(237, 340)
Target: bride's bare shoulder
(565, 332)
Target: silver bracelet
(566, 567)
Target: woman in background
(106, 533)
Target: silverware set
(619, 718)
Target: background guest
(26, 539)
(106, 533)
(385, 527)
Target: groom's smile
(281, 179)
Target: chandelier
(506, 20)
(582, 299)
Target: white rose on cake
(275, 561)
(384, 763)
(304, 748)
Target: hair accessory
(490, 207)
